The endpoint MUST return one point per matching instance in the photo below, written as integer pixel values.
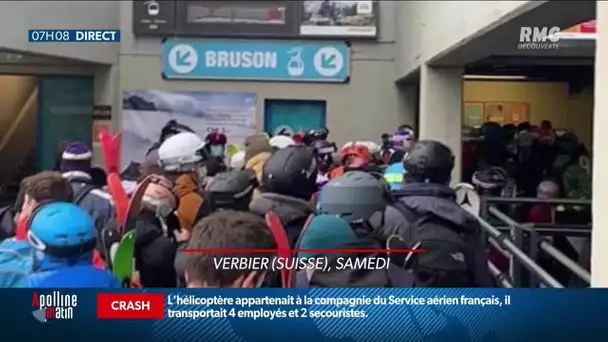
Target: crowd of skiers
(534, 162)
(365, 196)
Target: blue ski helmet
(394, 176)
(62, 229)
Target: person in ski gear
(350, 189)
(326, 232)
(472, 148)
(170, 129)
(157, 235)
(230, 230)
(182, 157)
(237, 161)
(215, 144)
(76, 167)
(150, 164)
(395, 148)
(288, 184)
(490, 182)
(324, 152)
(354, 156)
(299, 137)
(315, 135)
(63, 237)
(435, 219)
(405, 130)
(345, 212)
(374, 150)
(281, 141)
(257, 152)
(494, 152)
(43, 187)
(543, 212)
(393, 175)
(232, 190)
(15, 252)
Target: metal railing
(502, 278)
(518, 256)
(537, 243)
(528, 200)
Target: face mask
(162, 208)
(216, 150)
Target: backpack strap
(82, 193)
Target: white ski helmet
(373, 147)
(237, 161)
(281, 141)
(182, 152)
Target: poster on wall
(506, 112)
(518, 112)
(146, 112)
(473, 114)
(339, 18)
(494, 112)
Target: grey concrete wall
(430, 28)
(363, 109)
(17, 17)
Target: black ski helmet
(172, 127)
(429, 161)
(320, 134)
(232, 190)
(355, 196)
(291, 171)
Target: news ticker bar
(73, 36)
(184, 306)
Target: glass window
(245, 13)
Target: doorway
(36, 114)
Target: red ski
(280, 237)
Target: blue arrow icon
(328, 61)
(182, 58)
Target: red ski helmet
(216, 138)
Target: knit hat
(255, 144)
(326, 232)
(76, 157)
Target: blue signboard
(259, 60)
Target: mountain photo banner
(146, 112)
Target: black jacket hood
(438, 200)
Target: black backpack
(449, 257)
(82, 193)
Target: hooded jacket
(347, 277)
(52, 272)
(96, 202)
(293, 212)
(154, 253)
(440, 201)
(190, 201)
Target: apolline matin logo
(53, 306)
